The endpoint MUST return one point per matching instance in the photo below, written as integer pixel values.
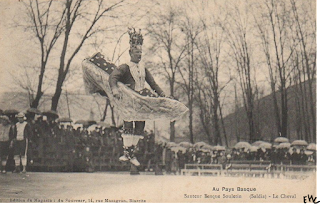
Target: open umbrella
(185, 144)
(81, 122)
(104, 124)
(284, 145)
(265, 145)
(307, 152)
(65, 120)
(257, 143)
(91, 122)
(312, 146)
(219, 148)
(34, 110)
(172, 144)
(199, 144)
(281, 139)
(178, 148)
(208, 147)
(241, 145)
(77, 125)
(204, 150)
(51, 113)
(253, 149)
(92, 127)
(299, 143)
(10, 112)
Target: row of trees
(206, 50)
(203, 47)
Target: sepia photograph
(158, 101)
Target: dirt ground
(122, 187)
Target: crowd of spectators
(83, 148)
(175, 161)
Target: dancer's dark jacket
(123, 75)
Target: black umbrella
(51, 113)
(34, 110)
(83, 122)
(10, 112)
(91, 122)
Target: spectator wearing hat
(5, 137)
(22, 132)
(34, 139)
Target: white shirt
(20, 130)
(138, 73)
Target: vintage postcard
(158, 101)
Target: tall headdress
(136, 38)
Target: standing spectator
(151, 141)
(168, 160)
(222, 159)
(158, 159)
(312, 159)
(22, 133)
(188, 156)
(261, 156)
(181, 160)
(88, 159)
(250, 155)
(5, 137)
(33, 140)
(273, 156)
(285, 157)
(174, 163)
(243, 154)
(295, 157)
(203, 158)
(235, 154)
(229, 158)
(303, 158)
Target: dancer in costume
(22, 133)
(134, 75)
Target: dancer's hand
(171, 97)
(164, 95)
(116, 94)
